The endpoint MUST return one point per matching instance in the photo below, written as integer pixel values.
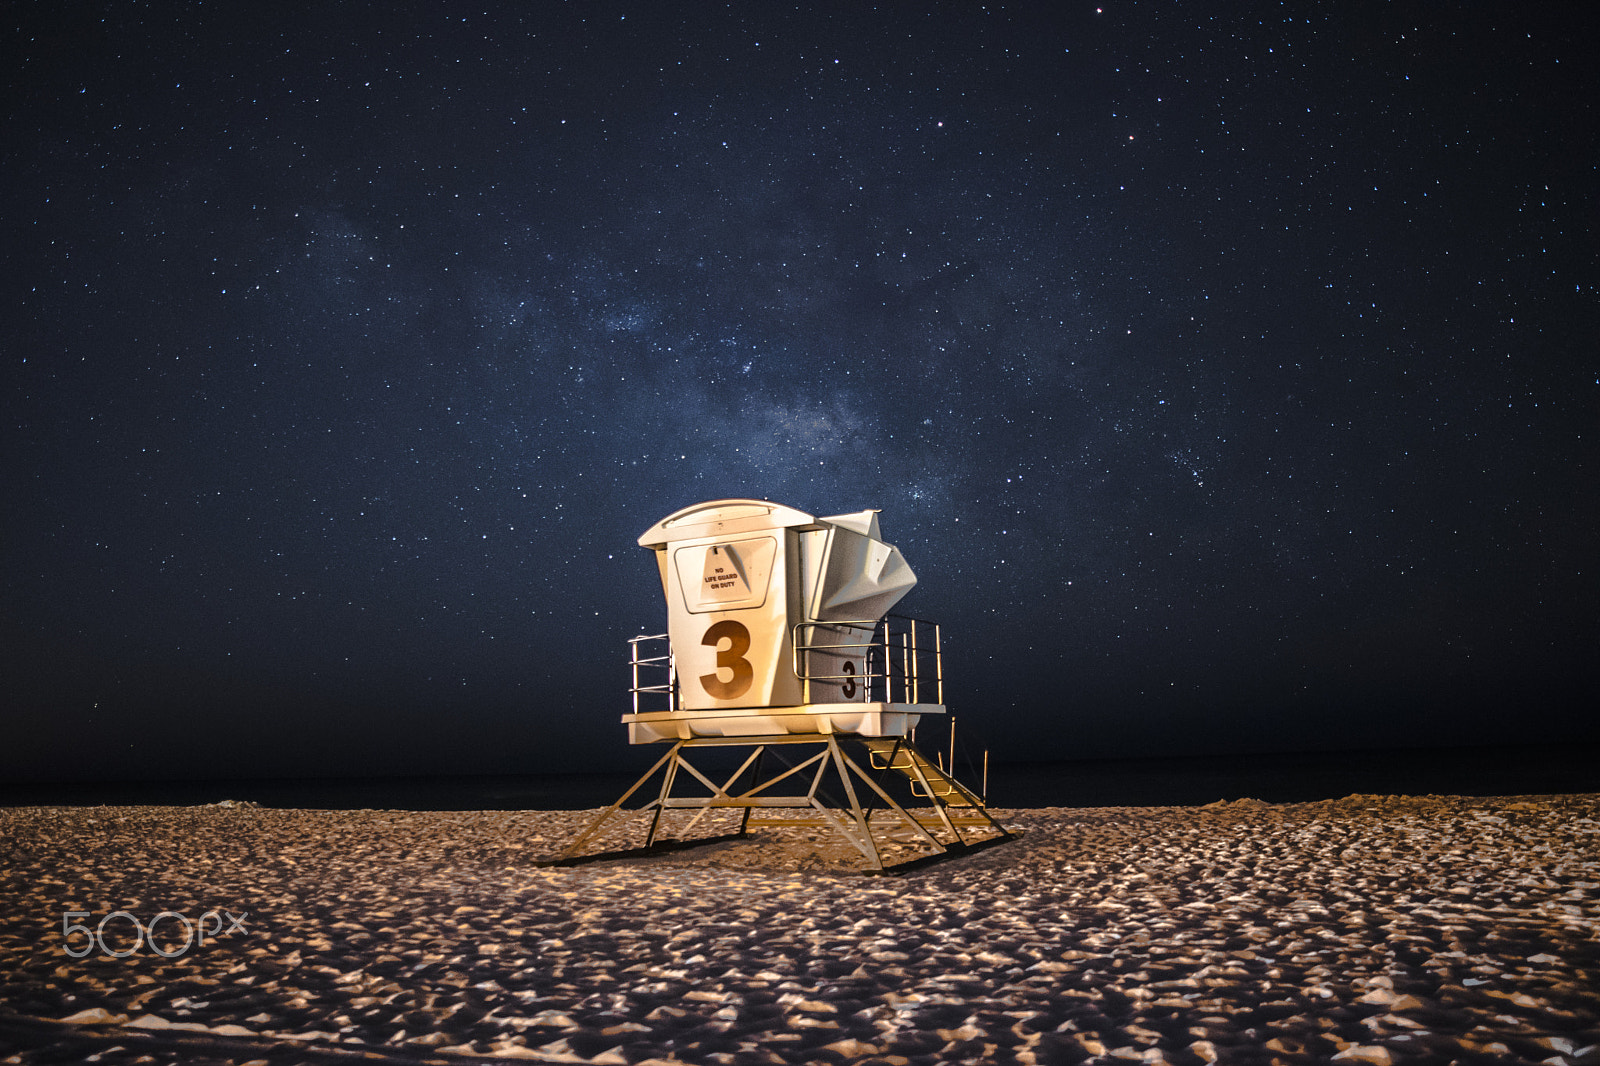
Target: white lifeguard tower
(779, 640)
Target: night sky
(1229, 374)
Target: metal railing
(655, 677)
(891, 660)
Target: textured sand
(1369, 929)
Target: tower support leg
(850, 818)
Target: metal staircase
(928, 781)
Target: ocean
(1187, 781)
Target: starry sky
(1228, 374)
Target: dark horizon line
(1290, 776)
(1562, 748)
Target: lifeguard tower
(779, 640)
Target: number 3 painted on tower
(730, 658)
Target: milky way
(1229, 379)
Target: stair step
(907, 761)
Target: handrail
(890, 660)
(896, 659)
(664, 661)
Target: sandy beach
(1369, 929)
